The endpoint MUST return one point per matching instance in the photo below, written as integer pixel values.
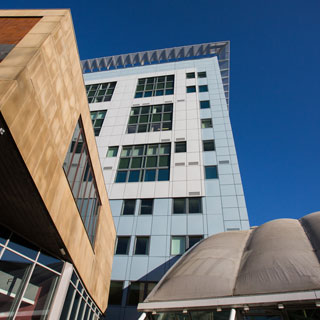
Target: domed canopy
(281, 256)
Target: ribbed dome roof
(279, 256)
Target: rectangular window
(190, 75)
(187, 205)
(208, 145)
(142, 245)
(202, 74)
(146, 206)
(203, 88)
(78, 169)
(97, 118)
(191, 89)
(181, 147)
(211, 172)
(180, 244)
(100, 92)
(128, 207)
(206, 123)
(205, 104)
(150, 118)
(112, 152)
(123, 245)
(115, 292)
(146, 162)
(155, 86)
(138, 291)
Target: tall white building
(162, 126)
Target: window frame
(208, 141)
(186, 242)
(209, 121)
(124, 204)
(94, 118)
(205, 104)
(147, 246)
(118, 281)
(191, 89)
(140, 207)
(146, 290)
(202, 74)
(96, 92)
(179, 144)
(114, 148)
(203, 88)
(187, 206)
(155, 86)
(128, 245)
(205, 172)
(190, 75)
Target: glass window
(154, 118)
(146, 206)
(38, 296)
(195, 205)
(193, 240)
(203, 88)
(191, 89)
(211, 172)
(208, 145)
(179, 205)
(205, 104)
(178, 245)
(112, 152)
(181, 146)
(142, 245)
(67, 302)
(153, 162)
(123, 244)
(154, 86)
(129, 207)
(138, 291)
(115, 292)
(190, 75)
(206, 123)
(100, 92)
(79, 172)
(97, 118)
(202, 74)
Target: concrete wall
(42, 96)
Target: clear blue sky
(275, 69)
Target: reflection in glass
(14, 271)
(37, 298)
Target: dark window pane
(147, 94)
(202, 74)
(169, 91)
(167, 117)
(128, 207)
(155, 127)
(142, 128)
(123, 244)
(50, 262)
(136, 293)
(211, 172)
(146, 206)
(145, 110)
(134, 111)
(159, 93)
(181, 147)
(121, 176)
(191, 89)
(164, 161)
(170, 77)
(168, 107)
(203, 88)
(4, 234)
(163, 175)
(193, 240)
(151, 162)
(142, 245)
(22, 246)
(134, 176)
(136, 162)
(165, 148)
(161, 79)
(166, 126)
(150, 175)
(208, 145)
(179, 205)
(132, 129)
(195, 205)
(124, 163)
(204, 104)
(138, 95)
(133, 119)
(143, 118)
(156, 118)
(190, 75)
(150, 80)
(67, 303)
(115, 292)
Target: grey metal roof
(198, 51)
(279, 258)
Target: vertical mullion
(81, 154)
(73, 152)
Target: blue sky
(274, 105)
